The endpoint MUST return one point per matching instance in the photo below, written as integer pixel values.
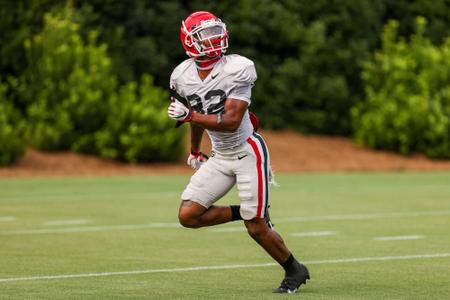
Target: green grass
(364, 206)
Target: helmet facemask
(210, 38)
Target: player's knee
(256, 230)
(187, 220)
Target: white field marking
(97, 194)
(90, 229)
(229, 229)
(314, 233)
(7, 219)
(368, 216)
(399, 238)
(280, 220)
(67, 222)
(223, 267)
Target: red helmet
(203, 34)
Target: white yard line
(399, 238)
(7, 218)
(368, 216)
(90, 229)
(67, 222)
(222, 267)
(313, 233)
(372, 216)
(94, 194)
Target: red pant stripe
(260, 176)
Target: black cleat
(292, 282)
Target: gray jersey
(233, 76)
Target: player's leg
(295, 272)
(206, 186)
(194, 215)
(268, 238)
(252, 182)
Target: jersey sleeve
(176, 78)
(172, 82)
(243, 77)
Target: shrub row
(73, 99)
(407, 105)
(12, 140)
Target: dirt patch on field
(290, 152)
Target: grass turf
(357, 207)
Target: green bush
(307, 53)
(68, 83)
(12, 142)
(73, 99)
(137, 128)
(407, 105)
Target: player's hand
(196, 159)
(179, 112)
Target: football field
(362, 235)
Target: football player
(212, 91)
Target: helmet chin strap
(206, 63)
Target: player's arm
(196, 157)
(229, 120)
(196, 137)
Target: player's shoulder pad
(241, 68)
(179, 71)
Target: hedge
(407, 105)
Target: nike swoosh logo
(241, 157)
(181, 116)
(214, 76)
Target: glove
(196, 159)
(179, 112)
